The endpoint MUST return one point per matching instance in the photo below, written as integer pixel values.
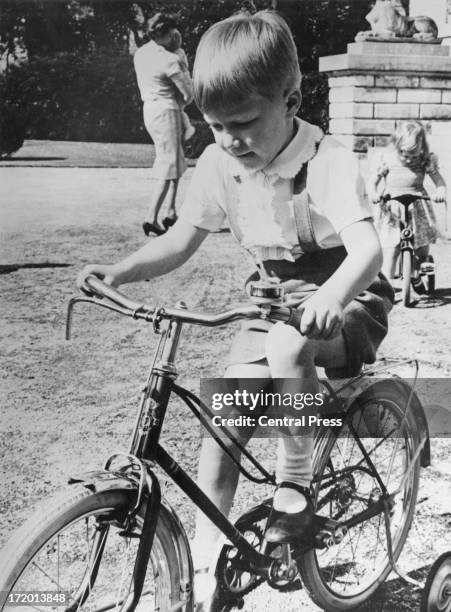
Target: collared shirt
(155, 68)
(264, 199)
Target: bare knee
(286, 347)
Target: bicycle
(422, 278)
(437, 590)
(113, 542)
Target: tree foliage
(80, 65)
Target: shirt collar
(301, 149)
(158, 47)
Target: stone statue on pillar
(389, 21)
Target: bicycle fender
(104, 480)
(98, 481)
(369, 385)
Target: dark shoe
(169, 222)
(286, 527)
(152, 228)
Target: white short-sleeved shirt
(264, 198)
(155, 68)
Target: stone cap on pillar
(371, 57)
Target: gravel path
(67, 405)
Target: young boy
(295, 200)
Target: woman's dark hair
(160, 24)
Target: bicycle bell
(267, 290)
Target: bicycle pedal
(129, 534)
(329, 532)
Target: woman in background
(163, 85)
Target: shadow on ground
(440, 297)
(32, 159)
(8, 268)
(402, 596)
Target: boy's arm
(323, 312)
(159, 256)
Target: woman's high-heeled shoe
(152, 228)
(169, 222)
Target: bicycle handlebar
(100, 289)
(404, 198)
(124, 305)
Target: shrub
(14, 111)
(13, 129)
(92, 98)
(315, 99)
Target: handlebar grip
(102, 290)
(295, 318)
(289, 315)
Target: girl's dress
(400, 179)
(280, 220)
(155, 68)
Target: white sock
(205, 552)
(204, 586)
(289, 500)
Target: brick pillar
(376, 84)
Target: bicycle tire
(406, 273)
(47, 555)
(430, 284)
(436, 596)
(430, 278)
(342, 577)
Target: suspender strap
(306, 234)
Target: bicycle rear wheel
(347, 574)
(74, 547)
(406, 272)
(430, 276)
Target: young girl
(403, 167)
(296, 201)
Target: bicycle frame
(145, 450)
(406, 243)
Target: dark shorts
(365, 322)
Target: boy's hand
(106, 273)
(440, 194)
(322, 317)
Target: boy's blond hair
(244, 55)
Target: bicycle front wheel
(406, 271)
(75, 556)
(345, 575)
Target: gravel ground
(66, 405)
